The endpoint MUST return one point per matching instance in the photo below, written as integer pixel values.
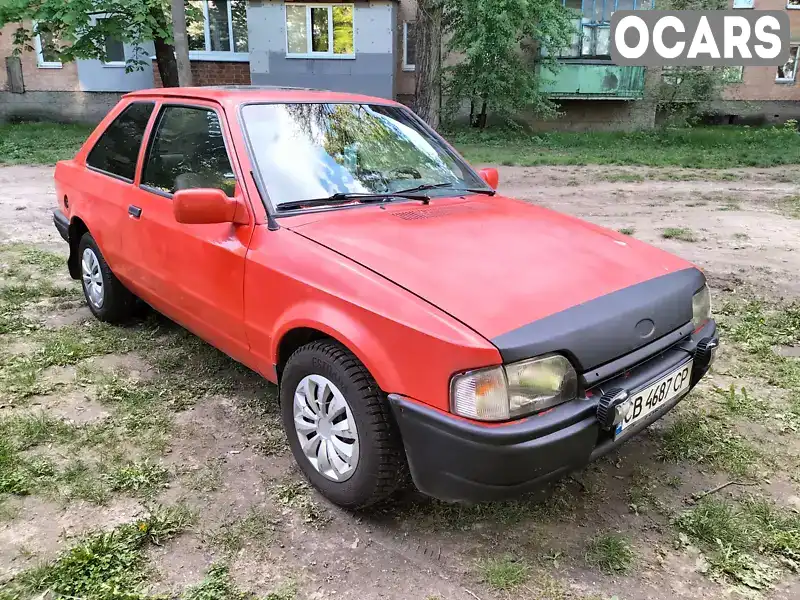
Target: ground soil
(415, 548)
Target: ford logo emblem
(645, 328)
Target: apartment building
(36, 85)
(765, 94)
(367, 46)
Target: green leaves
(80, 27)
(498, 40)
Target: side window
(188, 151)
(118, 148)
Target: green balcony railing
(594, 81)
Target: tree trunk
(428, 40)
(181, 43)
(165, 59)
(482, 116)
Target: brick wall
(59, 106)
(36, 79)
(207, 72)
(758, 83)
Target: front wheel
(340, 427)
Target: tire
(110, 301)
(380, 468)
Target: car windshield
(315, 151)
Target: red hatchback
(413, 318)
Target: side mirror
(204, 206)
(490, 176)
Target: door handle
(134, 211)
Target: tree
(500, 43)
(428, 33)
(79, 29)
(181, 43)
(684, 93)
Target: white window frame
(218, 55)
(406, 65)
(796, 62)
(40, 61)
(792, 6)
(115, 64)
(325, 55)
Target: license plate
(656, 395)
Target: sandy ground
(415, 548)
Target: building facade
(367, 46)
(36, 85)
(765, 94)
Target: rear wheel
(340, 427)
(107, 298)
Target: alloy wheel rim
(92, 278)
(326, 428)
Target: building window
(115, 52)
(46, 55)
(732, 74)
(793, 4)
(217, 29)
(319, 31)
(409, 46)
(743, 4)
(787, 72)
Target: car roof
(239, 94)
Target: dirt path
(223, 454)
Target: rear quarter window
(117, 149)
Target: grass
(40, 143)
(740, 403)
(738, 536)
(504, 573)
(756, 328)
(699, 148)
(106, 564)
(679, 233)
(622, 177)
(256, 528)
(141, 477)
(790, 205)
(297, 495)
(441, 516)
(207, 478)
(610, 552)
(627, 230)
(702, 439)
(219, 585)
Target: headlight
(701, 307)
(516, 390)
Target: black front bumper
(458, 460)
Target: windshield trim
(261, 188)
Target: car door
(109, 177)
(192, 273)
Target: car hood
(493, 263)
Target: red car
(414, 319)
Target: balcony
(593, 82)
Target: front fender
(347, 330)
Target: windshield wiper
(346, 197)
(433, 186)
